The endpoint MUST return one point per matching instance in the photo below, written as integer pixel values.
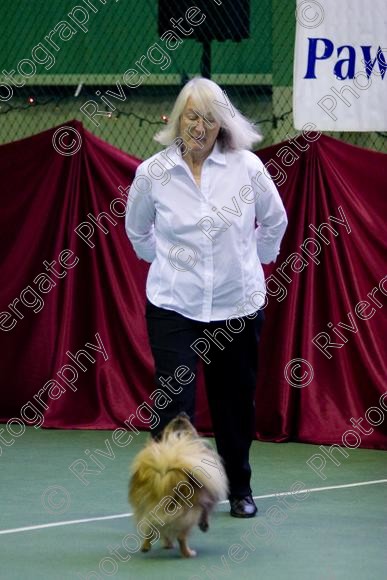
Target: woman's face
(198, 129)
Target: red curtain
(92, 298)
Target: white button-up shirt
(203, 244)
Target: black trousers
(230, 379)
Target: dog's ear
(183, 415)
(180, 422)
(155, 438)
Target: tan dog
(175, 484)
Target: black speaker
(224, 19)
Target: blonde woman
(206, 215)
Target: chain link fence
(118, 65)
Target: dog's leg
(207, 505)
(203, 522)
(184, 548)
(167, 543)
(146, 546)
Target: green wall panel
(118, 35)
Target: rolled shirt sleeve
(140, 218)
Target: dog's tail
(179, 464)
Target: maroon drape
(45, 198)
(327, 176)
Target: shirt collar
(216, 155)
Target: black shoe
(242, 507)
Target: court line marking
(118, 516)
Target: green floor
(331, 534)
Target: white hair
(236, 131)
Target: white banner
(340, 65)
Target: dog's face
(180, 425)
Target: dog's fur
(160, 480)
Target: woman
(192, 213)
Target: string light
(164, 119)
(33, 102)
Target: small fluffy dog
(175, 484)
